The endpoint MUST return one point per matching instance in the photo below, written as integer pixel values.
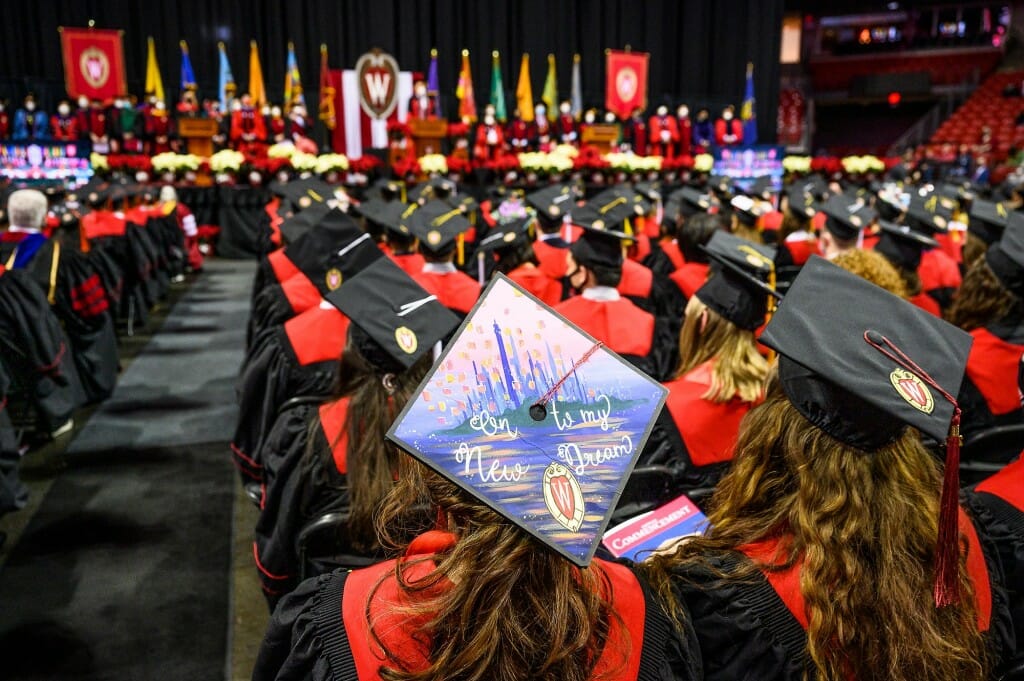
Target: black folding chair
(986, 452)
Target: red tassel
(947, 550)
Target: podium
(602, 136)
(427, 135)
(198, 134)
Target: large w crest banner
(93, 62)
(626, 85)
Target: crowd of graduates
(78, 270)
(825, 347)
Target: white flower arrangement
(567, 150)
(797, 164)
(169, 161)
(862, 164)
(325, 163)
(630, 162)
(539, 161)
(434, 163)
(303, 161)
(703, 163)
(98, 161)
(281, 150)
(226, 160)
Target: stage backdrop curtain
(699, 48)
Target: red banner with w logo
(626, 84)
(93, 62)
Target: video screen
(746, 164)
(45, 161)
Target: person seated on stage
(797, 241)
(64, 125)
(510, 247)
(30, 124)
(728, 129)
(594, 270)
(902, 247)
(248, 132)
(703, 132)
(440, 229)
(490, 139)
(72, 286)
(721, 372)
(486, 593)
(989, 306)
(835, 546)
(332, 457)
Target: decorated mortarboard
(533, 417)
(930, 214)
(800, 202)
(394, 313)
(845, 216)
(437, 225)
(742, 285)
(1006, 256)
(746, 209)
(861, 364)
(467, 204)
(506, 234)
(638, 204)
(901, 245)
(294, 227)
(554, 202)
(988, 219)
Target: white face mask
(589, 118)
(727, 115)
(159, 106)
(663, 111)
(236, 105)
(565, 109)
(489, 119)
(540, 111)
(265, 111)
(30, 106)
(683, 112)
(299, 111)
(609, 117)
(420, 90)
(63, 109)
(275, 111)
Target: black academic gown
(79, 299)
(13, 494)
(746, 630)
(35, 351)
(990, 392)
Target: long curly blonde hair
(739, 369)
(863, 526)
(874, 267)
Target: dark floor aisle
(124, 570)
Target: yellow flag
(550, 96)
(256, 89)
(524, 91)
(154, 83)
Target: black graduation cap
(846, 216)
(400, 322)
(294, 227)
(434, 188)
(762, 188)
(815, 185)
(901, 245)
(506, 234)
(306, 192)
(649, 190)
(746, 209)
(742, 280)
(721, 185)
(386, 190)
(638, 203)
(890, 202)
(466, 203)
(861, 364)
(437, 225)
(988, 219)
(800, 202)
(1006, 256)
(385, 214)
(553, 203)
(604, 232)
(930, 214)
(688, 201)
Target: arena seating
(987, 108)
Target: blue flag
(434, 84)
(188, 77)
(747, 111)
(225, 78)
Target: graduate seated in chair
(440, 229)
(333, 456)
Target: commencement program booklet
(637, 538)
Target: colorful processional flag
(464, 91)
(434, 84)
(154, 82)
(257, 89)
(497, 88)
(576, 92)
(626, 82)
(93, 62)
(292, 80)
(226, 80)
(747, 114)
(550, 94)
(327, 92)
(188, 76)
(524, 91)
